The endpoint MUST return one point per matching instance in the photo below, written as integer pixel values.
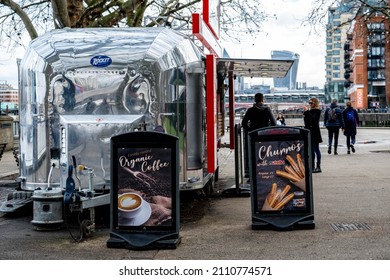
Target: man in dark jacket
(259, 115)
(256, 117)
(333, 120)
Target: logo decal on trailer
(101, 61)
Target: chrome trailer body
(80, 87)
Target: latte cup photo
(129, 205)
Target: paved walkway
(351, 213)
(9, 169)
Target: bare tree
(19, 18)
(319, 10)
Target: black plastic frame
(285, 218)
(145, 237)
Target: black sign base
(242, 191)
(141, 241)
(283, 222)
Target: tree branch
(23, 16)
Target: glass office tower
(290, 80)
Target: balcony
(347, 84)
(347, 47)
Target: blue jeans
(316, 154)
(350, 141)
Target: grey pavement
(352, 192)
(9, 169)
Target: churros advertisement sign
(280, 176)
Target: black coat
(311, 119)
(257, 117)
(339, 121)
(350, 128)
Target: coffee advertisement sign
(144, 191)
(144, 187)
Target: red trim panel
(231, 110)
(211, 114)
(204, 34)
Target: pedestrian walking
(351, 119)
(259, 115)
(333, 120)
(311, 118)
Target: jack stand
(84, 200)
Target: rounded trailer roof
(72, 49)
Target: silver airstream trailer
(80, 87)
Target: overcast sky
(8, 67)
(285, 32)
(281, 33)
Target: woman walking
(311, 118)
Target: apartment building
(339, 19)
(8, 97)
(369, 62)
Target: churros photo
(277, 198)
(294, 171)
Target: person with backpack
(311, 118)
(351, 119)
(333, 120)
